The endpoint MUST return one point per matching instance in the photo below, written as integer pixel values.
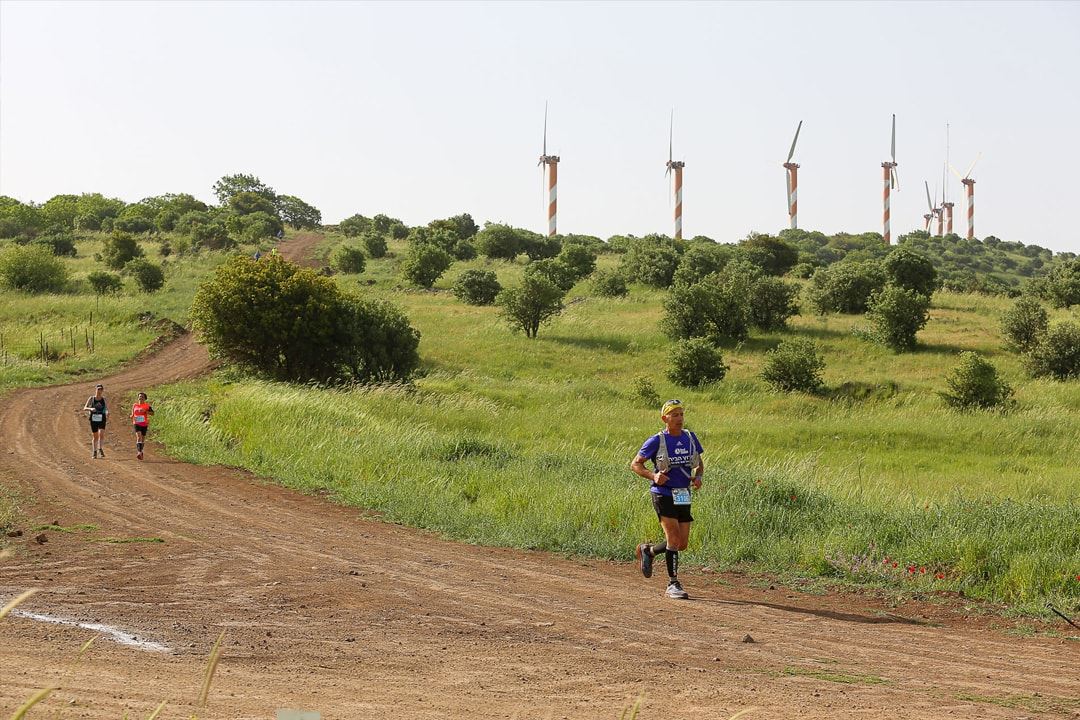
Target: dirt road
(324, 609)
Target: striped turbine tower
(551, 163)
(969, 184)
(793, 183)
(677, 166)
(946, 206)
(890, 181)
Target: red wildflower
(922, 570)
(896, 564)
(911, 569)
(940, 576)
(792, 498)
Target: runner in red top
(140, 420)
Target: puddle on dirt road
(114, 634)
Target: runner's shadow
(888, 619)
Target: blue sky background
(425, 110)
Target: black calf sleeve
(659, 548)
(672, 563)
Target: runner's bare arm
(638, 466)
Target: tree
(211, 235)
(910, 269)
(350, 259)
(59, 212)
(554, 270)
(712, 308)
(771, 254)
(96, 211)
(531, 304)
(1062, 285)
(148, 276)
(477, 287)
(772, 302)
(298, 213)
(33, 269)
(896, 314)
(374, 243)
(135, 218)
(61, 244)
(231, 185)
(354, 225)
(794, 366)
(104, 283)
(246, 203)
(289, 323)
(696, 362)
(1024, 324)
(1057, 355)
(974, 383)
(580, 259)
(498, 242)
(609, 283)
(651, 260)
(701, 259)
(537, 246)
(464, 224)
(19, 219)
(845, 287)
(425, 264)
(254, 226)
(120, 248)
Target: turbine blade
(545, 128)
(787, 181)
(895, 180)
(929, 203)
(791, 152)
(894, 137)
(968, 173)
(955, 172)
(671, 139)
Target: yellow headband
(668, 406)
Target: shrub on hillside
(772, 302)
(712, 309)
(554, 270)
(974, 383)
(701, 260)
(1057, 355)
(896, 315)
(120, 248)
(355, 226)
(845, 287)
(104, 283)
(910, 269)
(643, 391)
(531, 304)
(696, 362)
(463, 250)
(212, 236)
(33, 269)
(288, 323)
(148, 276)
(537, 246)
(773, 255)
(580, 259)
(374, 243)
(1062, 285)
(500, 242)
(61, 244)
(425, 264)
(349, 259)
(477, 287)
(794, 366)
(608, 283)
(1024, 324)
(253, 226)
(651, 260)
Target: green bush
(773, 255)
(701, 260)
(531, 304)
(896, 315)
(33, 269)
(642, 390)
(554, 270)
(580, 259)
(374, 243)
(148, 276)
(212, 236)
(1057, 355)
(104, 283)
(794, 366)
(845, 287)
(537, 246)
(608, 283)
(1024, 324)
(357, 225)
(1062, 286)
(425, 264)
(463, 250)
(651, 260)
(253, 226)
(772, 302)
(498, 242)
(120, 248)
(715, 308)
(477, 287)
(349, 260)
(696, 362)
(288, 323)
(974, 383)
(61, 244)
(910, 269)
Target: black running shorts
(95, 426)
(141, 429)
(666, 507)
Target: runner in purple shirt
(677, 467)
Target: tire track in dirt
(325, 608)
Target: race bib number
(680, 496)
(97, 417)
(140, 419)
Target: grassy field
(526, 443)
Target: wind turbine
(891, 181)
(551, 162)
(928, 217)
(792, 177)
(969, 183)
(945, 204)
(677, 166)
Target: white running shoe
(675, 591)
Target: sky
(426, 110)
